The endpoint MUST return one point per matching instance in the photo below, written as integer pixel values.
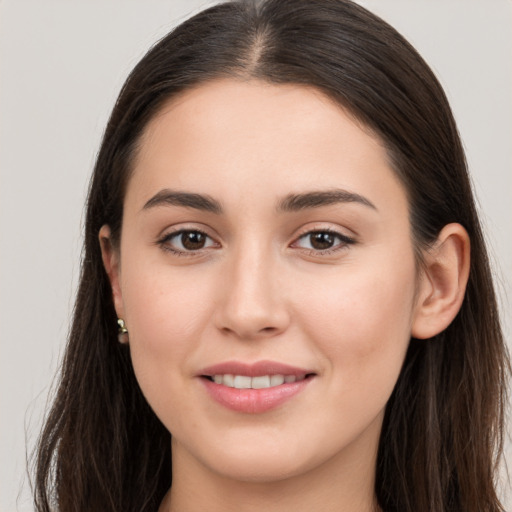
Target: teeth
(242, 382)
(228, 380)
(276, 380)
(260, 382)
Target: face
(265, 242)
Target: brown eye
(322, 240)
(186, 241)
(193, 240)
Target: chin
(260, 462)
(260, 471)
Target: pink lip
(254, 401)
(254, 369)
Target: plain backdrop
(62, 64)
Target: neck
(344, 483)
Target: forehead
(223, 106)
(229, 137)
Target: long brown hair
(104, 449)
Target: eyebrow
(185, 199)
(291, 203)
(298, 202)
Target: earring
(122, 335)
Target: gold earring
(122, 335)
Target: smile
(254, 388)
(260, 382)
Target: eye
(323, 241)
(186, 241)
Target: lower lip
(254, 401)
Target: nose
(253, 304)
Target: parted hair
(103, 448)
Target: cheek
(166, 312)
(362, 323)
(362, 331)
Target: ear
(442, 283)
(110, 256)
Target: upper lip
(253, 369)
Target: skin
(260, 289)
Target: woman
(285, 298)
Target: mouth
(257, 382)
(254, 388)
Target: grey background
(62, 64)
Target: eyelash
(343, 242)
(164, 241)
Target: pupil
(193, 240)
(322, 240)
